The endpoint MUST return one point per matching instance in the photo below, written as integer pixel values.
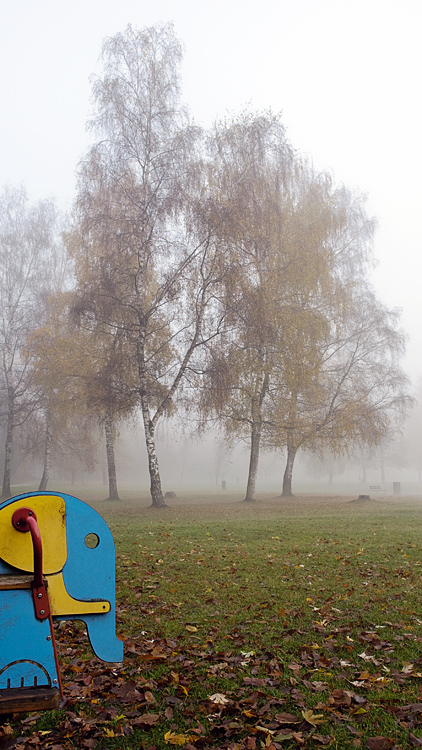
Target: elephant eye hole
(92, 540)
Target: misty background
(345, 76)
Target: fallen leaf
(286, 718)
(218, 698)
(148, 719)
(172, 738)
(267, 731)
(379, 743)
(311, 718)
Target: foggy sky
(345, 74)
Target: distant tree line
(215, 273)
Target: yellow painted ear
(16, 546)
(63, 604)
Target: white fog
(345, 76)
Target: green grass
(311, 608)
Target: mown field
(274, 625)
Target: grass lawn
(279, 624)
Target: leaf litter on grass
(222, 650)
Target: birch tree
(26, 247)
(272, 215)
(340, 383)
(142, 270)
(57, 279)
(84, 381)
(352, 393)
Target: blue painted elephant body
(88, 574)
(25, 642)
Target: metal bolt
(49, 638)
(39, 595)
(42, 612)
(54, 680)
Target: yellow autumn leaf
(312, 718)
(171, 738)
(191, 629)
(109, 732)
(268, 732)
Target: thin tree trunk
(382, 471)
(291, 447)
(111, 463)
(8, 445)
(47, 454)
(149, 427)
(253, 462)
(153, 467)
(288, 472)
(154, 471)
(256, 411)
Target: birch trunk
(154, 471)
(47, 454)
(111, 463)
(253, 462)
(288, 472)
(291, 448)
(382, 471)
(149, 427)
(256, 411)
(8, 445)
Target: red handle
(24, 519)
